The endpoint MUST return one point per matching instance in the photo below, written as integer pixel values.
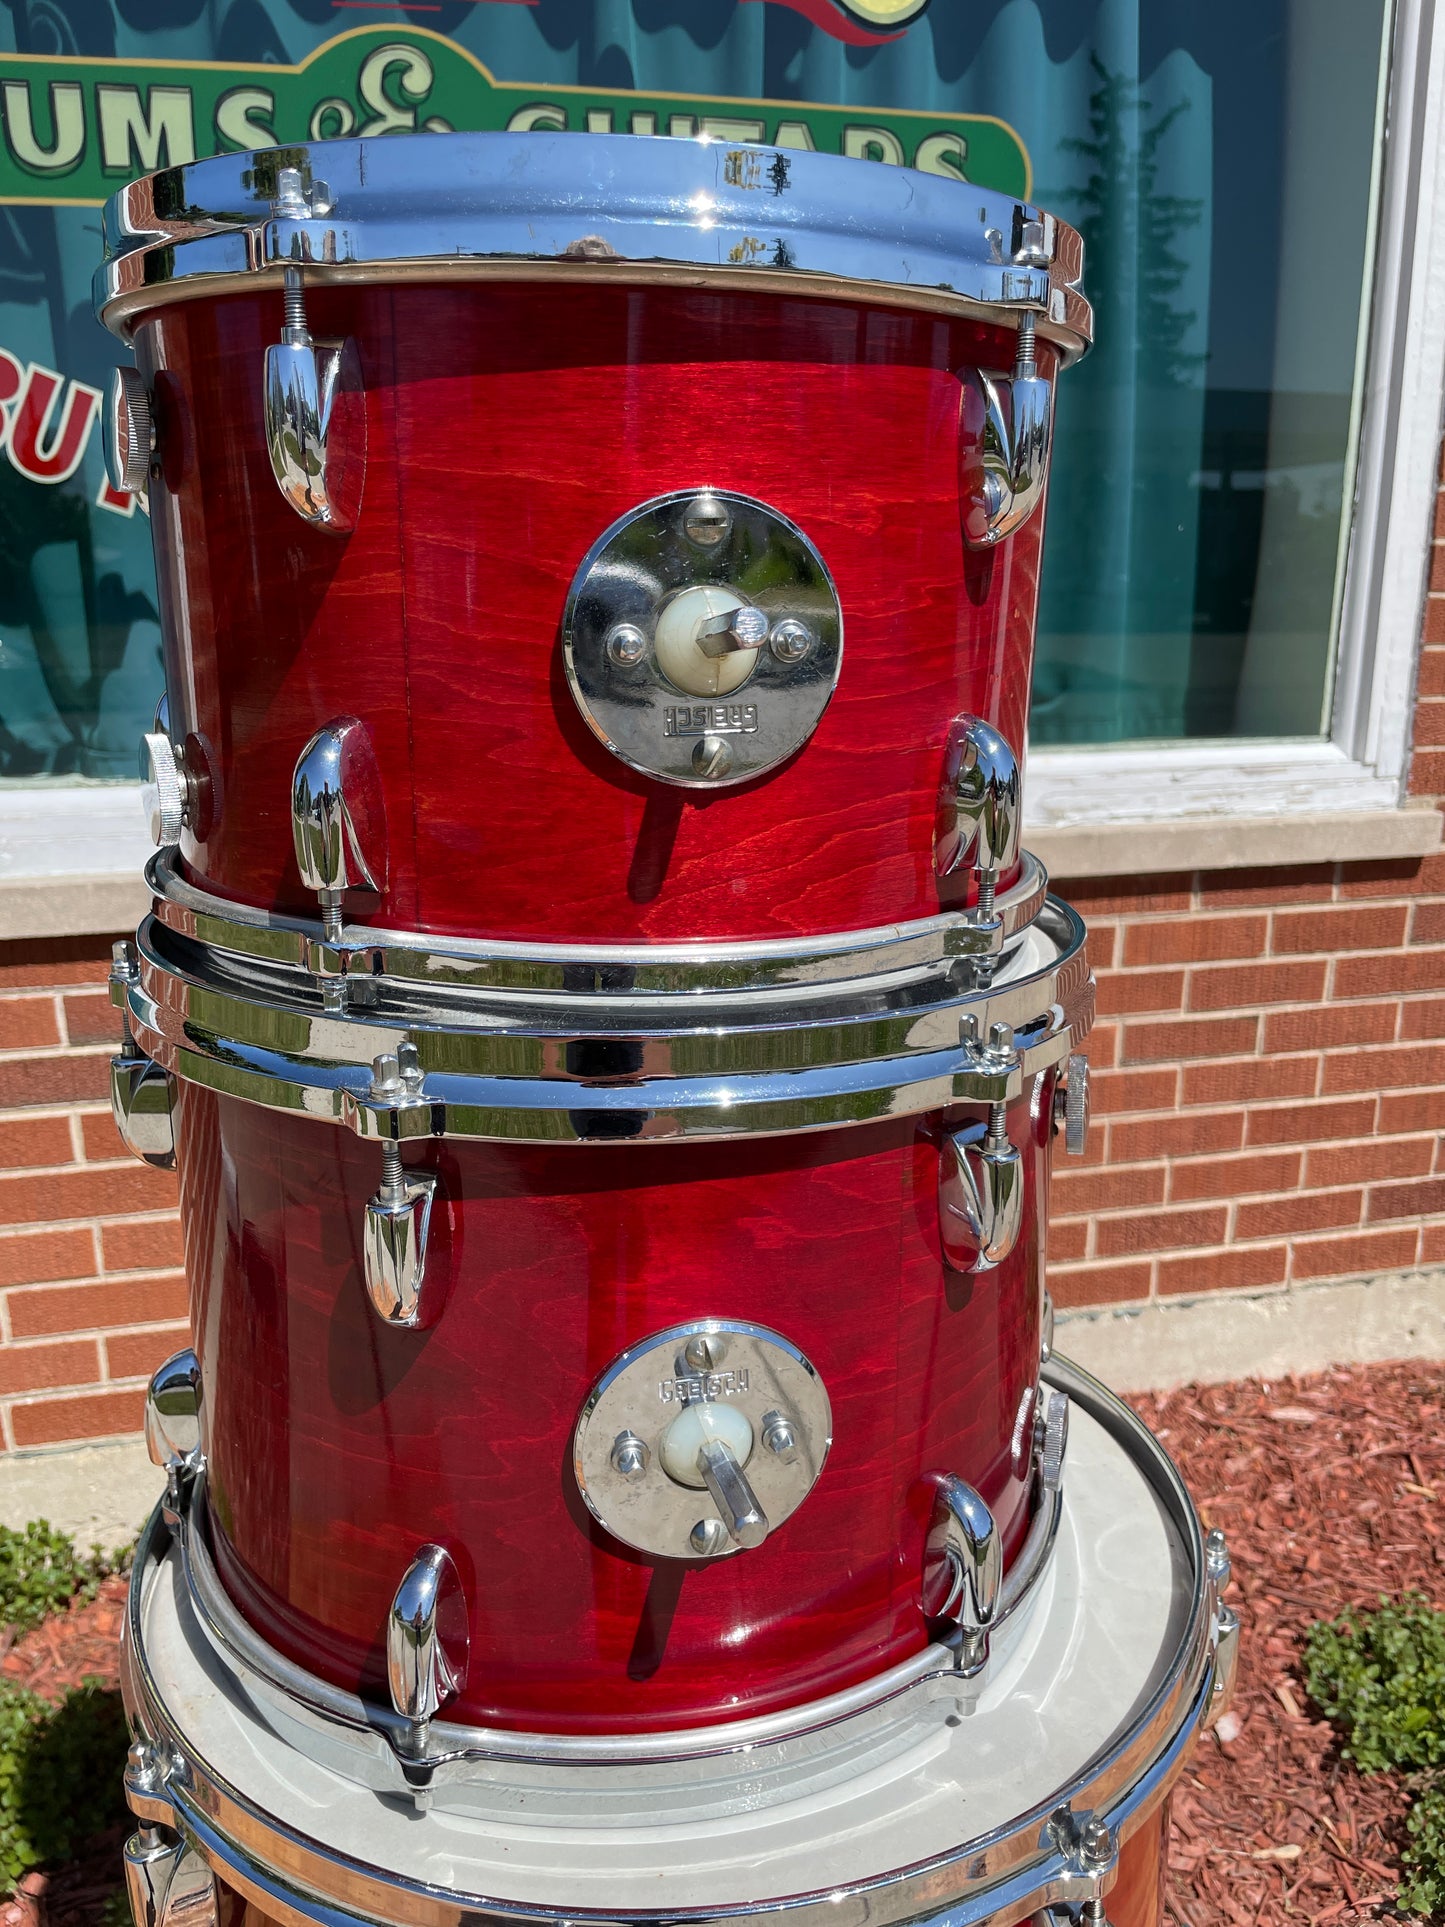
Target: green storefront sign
(72, 130)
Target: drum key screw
(708, 1537)
(778, 1435)
(124, 961)
(706, 521)
(626, 646)
(703, 1353)
(712, 758)
(630, 1456)
(791, 640)
(1216, 1559)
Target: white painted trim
(66, 831)
(1365, 764)
(1190, 843)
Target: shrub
(60, 1773)
(1380, 1676)
(41, 1571)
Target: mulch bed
(1330, 1489)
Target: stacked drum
(612, 1045)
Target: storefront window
(1219, 159)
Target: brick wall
(92, 1296)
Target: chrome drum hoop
(607, 1070)
(933, 944)
(596, 208)
(992, 1880)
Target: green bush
(60, 1773)
(41, 1571)
(1380, 1676)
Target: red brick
(1123, 992)
(1396, 972)
(1234, 1177)
(1250, 1079)
(28, 1023)
(1158, 1231)
(86, 1193)
(1343, 927)
(1432, 673)
(1103, 1047)
(101, 1139)
(1362, 1251)
(1233, 1269)
(1377, 1070)
(34, 1141)
(1190, 1134)
(1142, 896)
(1244, 986)
(1401, 876)
(37, 1368)
(1304, 1211)
(142, 1247)
(1099, 1285)
(43, 1310)
(1402, 1111)
(98, 1415)
(1434, 630)
(1101, 945)
(1309, 1123)
(1068, 1241)
(1419, 1200)
(1184, 1037)
(92, 1020)
(1424, 1017)
(36, 962)
(36, 1256)
(1429, 724)
(1329, 1026)
(1437, 567)
(1263, 888)
(1195, 939)
(1380, 1157)
(1428, 924)
(136, 1354)
(1427, 773)
(1432, 1244)
(1114, 1091)
(53, 1080)
(1077, 1194)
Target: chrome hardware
(167, 1881)
(1051, 1424)
(1007, 484)
(173, 1426)
(1226, 1627)
(128, 432)
(1071, 1104)
(167, 789)
(742, 628)
(147, 1790)
(1046, 1327)
(317, 457)
(626, 646)
(685, 1412)
(334, 775)
(982, 795)
(141, 1099)
(398, 1215)
(630, 1456)
(668, 631)
(427, 1639)
(791, 640)
(981, 1182)
(962, 1569)
(736, 1502)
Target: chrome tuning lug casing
(398, 1215)
(427, 1641)
(702, 1440)
(962, 1569)
(173, 1427)
(1046, 1327)
(168, 1882)
(142, 1094)
(702, 638)
(1071, 1104)
(980, 816)
(981, 1177)
(315, 417)
(1007, 436)
(128, 432)
(1226, 1627)
(335, 790)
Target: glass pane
(1218, 159)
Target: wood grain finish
(337, 1446)
(507, 427)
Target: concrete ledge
(1229, 1334)
(1233, 843)
(98, 1493)
(71, 906)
